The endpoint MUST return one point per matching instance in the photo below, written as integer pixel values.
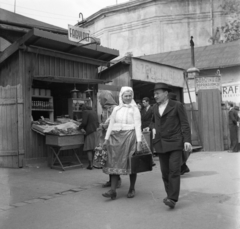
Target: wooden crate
(66, 140)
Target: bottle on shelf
(77, 106)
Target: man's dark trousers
(171, 168)
(234, 137)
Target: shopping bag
(100, 157)
(185, 156)
(144, 145)
(141, 162)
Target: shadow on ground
(194, 174)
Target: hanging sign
(231, 92)
(156, 73)
(77, 34)
(208, 82)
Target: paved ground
(38, 197)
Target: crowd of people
(121, 136)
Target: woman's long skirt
(91, 141)
(121, 147)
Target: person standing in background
(89, 127)
(146, 114)
(233, 121)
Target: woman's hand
(139, 146)
(83, 131)
(104, 145)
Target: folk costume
(123, 132)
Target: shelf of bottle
(44, 97)
(42, 109)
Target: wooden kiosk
(47, 61)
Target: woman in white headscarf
(122, 139)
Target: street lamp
(193, 72)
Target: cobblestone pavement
(38, 197)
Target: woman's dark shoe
(90, 167)
(170, 203)
(110, 194)
(131, 193)
(107, 184)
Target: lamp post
(190, 77)
(193, 72)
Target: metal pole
(15, 6)
(191, 105)
(192, 52)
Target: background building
(154, 26)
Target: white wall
(157, 26)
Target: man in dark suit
(233, 128)
(146, 113)
(171, 134)
(184, 167)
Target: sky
(57, 12)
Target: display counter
(58, 144)
(59, 138)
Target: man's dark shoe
(165, 199)
(170, 203)
(185, 169)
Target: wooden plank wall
(225, 127)
(226, 133)
(119, 75)
(210, 119)
(46, 65)
(42, 65)
(194, 124)
(11, 127)
(9, 71)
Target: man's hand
(187, 147)
(153, 133)
(146, 129)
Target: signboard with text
(156, 73)
(77, 34)
(208, 82)
(231, 92)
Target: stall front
(44, 81)
(142, 75)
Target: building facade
(145, 27)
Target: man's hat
(162, 86)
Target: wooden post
(210, 112)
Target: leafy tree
(231, 30)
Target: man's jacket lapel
(169, 107)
